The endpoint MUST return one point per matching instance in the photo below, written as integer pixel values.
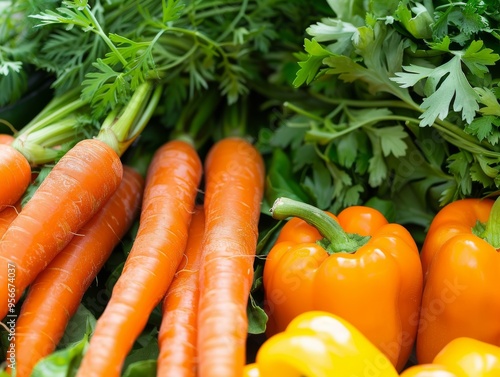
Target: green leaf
(257, 318)
(453, 88)
(392, 140)
(485, 127)
(377, 170)
(348, 10)
(321, 185)
(280, 180)
(459, 165)
(489, 100)
(419, 25)
(353, 195)
(310, 63)
(82, 323)
(105, 88)
(478, 174)
(477, 58)
(347, 149)
(146, 349)
(62, 363)
(144, 368)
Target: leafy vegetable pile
(390, 104)
(404, 105)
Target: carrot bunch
(195, 257)
(198, 259)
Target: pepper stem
(491, 232)
(335, 238)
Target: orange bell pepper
(462, 275)
(355, 265)
(319, 344)
(462, 357)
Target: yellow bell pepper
(319, 344)
(461, 357)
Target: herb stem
(235, 21)
(103, 35)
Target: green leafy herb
(382, 71)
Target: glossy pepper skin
(376, 286)
(319, 344)
(462, 357)
(461, 295)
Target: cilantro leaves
(381, 73)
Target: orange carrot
(76, 188)
(169, 197)
(54, 296)
(15, 175)
(233, 192)
(6, 139)
(177, 336)
(7, 216)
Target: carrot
(177, 335)
(233, 193)
(54, 296)
(169, 196)
(7, 216)
(76, 188)
(6, 139)
(15, 175)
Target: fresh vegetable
(459, 217)
(74, 190)
(178, 330)
(319, 344)
(347, 265)
(461, 271)
(72, 193)
(16, 175)
(234, 185)
(169, 197)
(56, 293)
(461, 357)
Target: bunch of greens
(20, 43)
(111, 47)
(403, 110)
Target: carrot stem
(120, 131)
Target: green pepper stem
(491, 232)
(336, 239)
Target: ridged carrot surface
(15, 175)
(7, 216)
(234, 175)
(54, 296)
(76, 188)
(177, 336)
(169, 197)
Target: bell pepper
(355, 265)
(461, 277)
(462, 357)
(319, 344)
